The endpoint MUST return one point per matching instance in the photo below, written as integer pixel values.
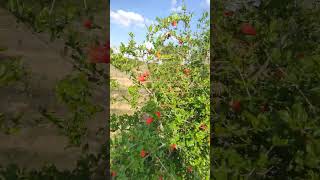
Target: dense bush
(168, 137)
(266, 91)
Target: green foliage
(74, 92)
(274, 75)
(12, 71)
(178, 88)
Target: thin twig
(268, 170)
(163, 165)
(271, 148)
(85, 4)
(52, 5)
(245, 84)
(307, 100)
(251, 172)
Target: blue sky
(131, 15)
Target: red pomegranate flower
(99, 54)
(160, 178)
(186, 71)
(143, 153)
(158, 114)
(228, 13)
(203, 127)
(235, 105)
(113, 174)
(189, 169)
(173, 147)
(174, 23)
(248, 29)
(149, 120)
(141, 78)
(87, 24)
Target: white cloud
(127, 18)
(175, 7)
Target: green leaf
(150, 28)
(252, 119)
(284, 115)
(298, 113)
(277, 141)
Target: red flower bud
(87, 24)
(173, 147)
(186, 71)
(248, 29)
(174, 23)
(113, 174)
(235, 105)
(99, 54)
(228, 13)
(143, 153)
(203, 127)
(141, 78)
(149, 120)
